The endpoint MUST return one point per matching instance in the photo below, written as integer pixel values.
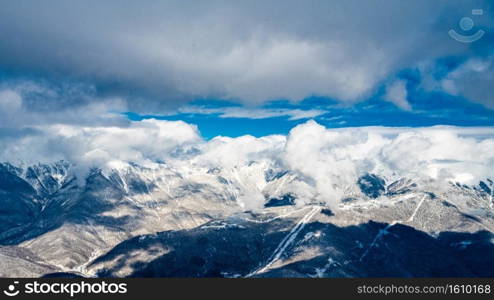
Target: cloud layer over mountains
(328, 159)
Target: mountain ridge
(71, 228)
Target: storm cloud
(152, 56)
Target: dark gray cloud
(29, 104)
(156, 55)
(473, 80)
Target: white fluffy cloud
(328, 160)
(102, 147)
(332, 159)
(237, 152)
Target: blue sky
(432, 109)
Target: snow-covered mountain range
(163, 221)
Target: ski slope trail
(416, 209)
(286, 242)
(383, 232)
